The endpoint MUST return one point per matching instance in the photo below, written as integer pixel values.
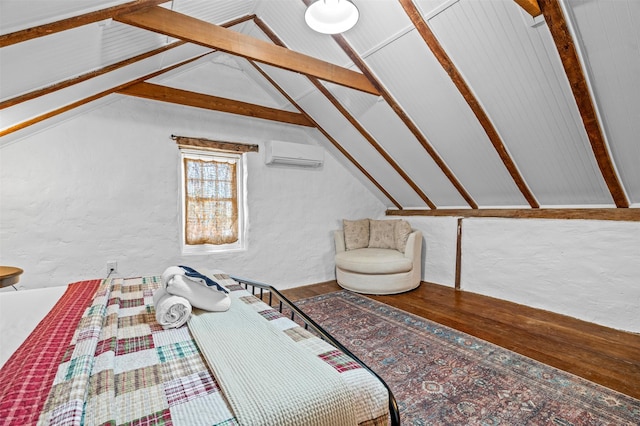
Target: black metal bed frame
(261, 288)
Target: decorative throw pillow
(356, 233)
(382, 234)
(403, 229)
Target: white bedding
(20, 313)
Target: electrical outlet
(112, 267)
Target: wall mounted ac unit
(295, 154)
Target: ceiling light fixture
(331, 16)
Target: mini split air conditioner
(293, 154)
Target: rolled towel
(171, 311)
(169, 273)
(196, 289)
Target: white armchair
(379, 270)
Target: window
(213, 201)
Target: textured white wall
(438, 247)
(104, 186)
(586, 269)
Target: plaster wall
(585, 269)
(438, 247)
(105, 186)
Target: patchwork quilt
(120, 367)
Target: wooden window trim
(211, 145)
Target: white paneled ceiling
(469, 104)
(18, 15)
(380, 23)
(119, 42)
(227, 76)
(286, 18)
(217, 12)
(516, 72)
(357, 146)
(390, 133)
(609, 35)
(447, 122)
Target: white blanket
(210, 298)
(171, 311)
(20, 313)
(268, 379)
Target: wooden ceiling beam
(354, 122)
(530, 6)
(627, 215)
(559, 29)
(372, 141)
(70, 82)
(198, 100)
(413, 127)
(263, 26)
(326, 134)
(104, 70)
(75, 21)
(84, 77)
(402, 115)
(456, 77)
(92, 98)
(187, 28)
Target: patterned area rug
(444, 377)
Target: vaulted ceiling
(439, 106)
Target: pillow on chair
(356, 233)
(383, 234)
(403, 229)
(387, 234)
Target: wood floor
(599, 354)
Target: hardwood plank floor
(600, 354)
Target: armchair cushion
(373, 261)
(382, 234)
(356, 233)
(403, 229)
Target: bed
(98, 356)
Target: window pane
(211, 209)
